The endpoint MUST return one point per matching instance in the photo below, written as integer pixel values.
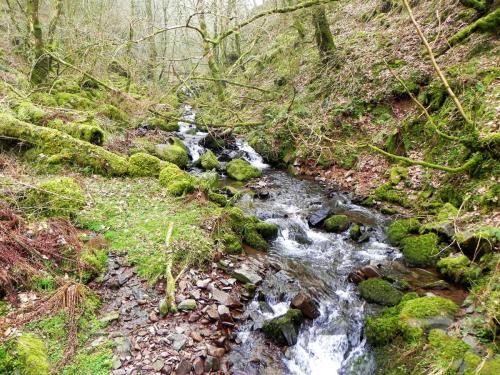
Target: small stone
(203, 284)
(183, 368)
(196, 336)
(198, 366)
(187, 305)
(110, 316)
(216, 352)
(224, 298)
(211, 364)
(246, 276)
(212, 312)
(158, 364)
(305, 304)
(117, 363)
(178, 341)
(224, 314)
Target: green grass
(134, 215)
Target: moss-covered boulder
(337, 223)
(381, 330)
(28, 112)
(208, 161)
(163, 124)
(144, 165)
(387, 193)
(420, 251)
(220, 199)
(443, 222)
(268, 231)
(247, 227)
(174, 152)
(32, 355)
(402, 228)
(420, 314)
(88, 131)
(283, 330)
(447, 352)
(113, 113)
(459, 269)
(75, 101)
(177, 181)
(232, 244)
(241, 170)
(355, 232)
(379, 291)
(60, 196)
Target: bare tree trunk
(40, 68)
(208, 50)
(323, 35)
(153, 54)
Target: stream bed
(309, 260)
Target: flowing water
(310, 260)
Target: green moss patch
(176, 180)
(402, 228)
(420, 251)
(174, 152)
(60, 196)
(379, 291)
(337, 223)
(208, 161)
(458, 268)
(144, 165)
(241, 170)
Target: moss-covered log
(86, 131)
(489, 23)
(61, 147)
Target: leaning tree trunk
(323, 35)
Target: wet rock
(183, 368)
(211, 364)
(305, 304)
(317, 218)
(187, 305)
(337, 223)
(284, 329)
(246, 276)
(364, 273)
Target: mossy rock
(144, 165)
(163, 124)
(268, 231)
(208, 161)
(32, 355)
(220, 199)
(444, 221)
(68, 100)
(177, 181)
(246, 228)
(381, 331)
(28, 112)
(397, 174)
(113, 113)
(387, 193)
(232, 244)
(355, 232)
(420, 251)
(458, 268)
(423, 313)
(60, 196)
(241, 170)
(402, 228)
(44, 99)
(379, 291)
(337, 223)
(283, 330)
(88, 131)
(174, 152)
(447, 352)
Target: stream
(309, 260)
